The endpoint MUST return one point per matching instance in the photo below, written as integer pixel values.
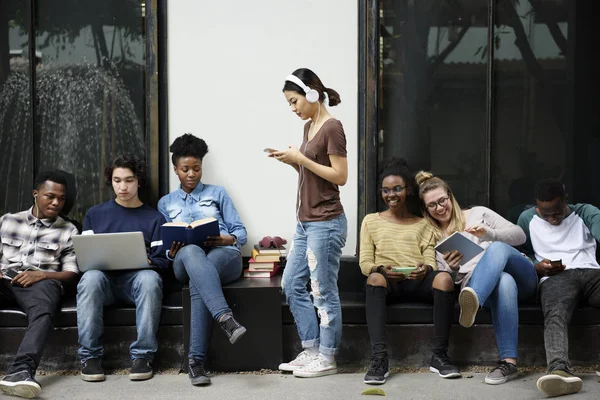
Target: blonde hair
(427, 182)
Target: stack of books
(265, 261)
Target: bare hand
(395, 276)
(545, 268)
(478, 231)
(175, 247)
(289, 156)
(222, 240)
(28, 278)
(453, 259)
(420, 272)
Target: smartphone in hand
(9, 274)
(556, 263)
(270, 150)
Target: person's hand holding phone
(393, 275)
(549, 268)
(453, 259)
(419, 272)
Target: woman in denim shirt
(205, 269)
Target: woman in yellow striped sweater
(398, 238)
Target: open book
(465, 246)
(189, 233)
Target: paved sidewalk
(286, 387)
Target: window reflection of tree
(85, 114)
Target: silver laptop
(111, 251)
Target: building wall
(227, 65)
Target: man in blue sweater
(96, 289)
(561, 241)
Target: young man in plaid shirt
(36, 259)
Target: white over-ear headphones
(312, 96)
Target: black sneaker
(378, 370)
(441, 364)
(91, 370)
(141, 370)
(503, 373)
(20, 384)
(198, 376)
(232, 329)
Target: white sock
(327, 357)
(313, 351)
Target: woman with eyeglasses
(398, 257)
(497, 278)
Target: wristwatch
(234, 240)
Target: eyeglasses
(396, 189)
(442, 201)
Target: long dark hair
(311, 80)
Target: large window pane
(16, 149)
(433, 90)
(89, 89)
(535, 105)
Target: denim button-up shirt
(204, 201)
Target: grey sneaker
(469, 305)
(502, 373)
(20, 384)
(559, 383)
(198, 375)
(232, 329)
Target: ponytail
(334, 97)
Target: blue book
(189, 233)
(465, 246)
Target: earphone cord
(301, 169)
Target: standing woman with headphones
(321, 228)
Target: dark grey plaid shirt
(29, 243)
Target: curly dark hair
(51, 175)
(129, 161)
(188, 145)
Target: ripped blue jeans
(315, 256)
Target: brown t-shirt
(319, 199)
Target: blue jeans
(206, 272)
(501, 278)
(97, 289)
(315, 255)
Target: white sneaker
(317, 367)
(469, 305)
(598, 373)
(301, 360)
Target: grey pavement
(287, 387)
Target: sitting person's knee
(376, 279)
(443, 281)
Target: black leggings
(404, 291)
